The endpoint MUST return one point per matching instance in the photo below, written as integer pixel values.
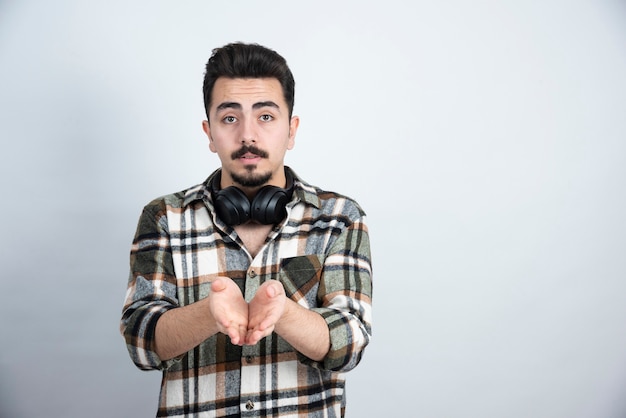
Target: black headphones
(268, 206)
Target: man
(251, 291)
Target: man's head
(239, 60)
(248, 91)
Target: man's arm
(345, 293)
(155, 327)
(181, 329)
(271, 310)
(305, 330)
(335, 333)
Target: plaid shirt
(320, 253)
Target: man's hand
(264, 310)
(246, 323)
(229, 309)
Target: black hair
(240, 60)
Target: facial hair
(252, 149)
(250, 179)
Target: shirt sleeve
(345, 293)
(151, 287)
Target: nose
(248, 134)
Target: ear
(207, 130)
(293, 128)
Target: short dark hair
(240, 60)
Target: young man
(251, 291)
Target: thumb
(271, 292)
(274, 289)
(218, 285)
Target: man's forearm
(305, 330)
(181, 329)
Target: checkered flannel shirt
(320, 253)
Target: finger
(266, 326)
(259, 322)
(250, 338)
(237, 334)
(253, 337)
(234, 336)
(242, 334)
(271, 291)
(256, 335)
(218, 285)
(275, 288)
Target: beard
(251, 178)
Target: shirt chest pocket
(301, 278)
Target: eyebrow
(267, 103)
(237, 106)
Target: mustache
(248, 149)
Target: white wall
(486, 140)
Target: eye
(266, 118)
(229, 119)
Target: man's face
(250, 130)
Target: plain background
(486, 140)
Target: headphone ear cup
(268, 205)
(232, 206)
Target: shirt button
(253, 274)
(248, 359)
(249, 405)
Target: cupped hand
(264, 311)
(229, 309)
